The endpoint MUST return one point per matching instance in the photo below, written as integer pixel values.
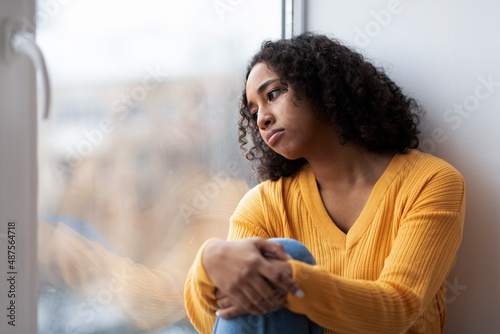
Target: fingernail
(291, 258)
(268, 254)
(217, 313)
(299, 293)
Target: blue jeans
(279, 321)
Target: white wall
(446, 53)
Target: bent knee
(295, 249)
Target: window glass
(139, 163)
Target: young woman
(335, 141)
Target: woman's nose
(265, 118)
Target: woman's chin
(289, 156)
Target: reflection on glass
(139, 164)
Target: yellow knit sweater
(386, 275)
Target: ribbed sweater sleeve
(199, 295)
(199, 291)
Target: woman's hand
(251, 276)
(227, 309)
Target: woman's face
(285, 119)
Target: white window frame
(18, 177)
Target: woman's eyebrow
(265, 84)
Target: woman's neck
(348, 166)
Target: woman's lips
(273, 135)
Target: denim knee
(280, 321)
(295, 249)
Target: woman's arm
(422, 254)
(245, 275)
(411, 277)
(245, 264)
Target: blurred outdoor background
(139, 162)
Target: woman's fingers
(271, 249)
(282, 278)
(279, 274)
(246, 278)
(260, 295)
(223, 301)
(247, 299)
(276, 299)
(231, 312)
(268, 296)
(250, 293)
(263, 296)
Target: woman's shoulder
(267, 199)
(423, 165)
(424, 175)
(287, 183)
(269, 191)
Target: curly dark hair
(361, 103)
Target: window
(139, 163)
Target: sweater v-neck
(321, 219)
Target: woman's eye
(273, 94)
(254, 114)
